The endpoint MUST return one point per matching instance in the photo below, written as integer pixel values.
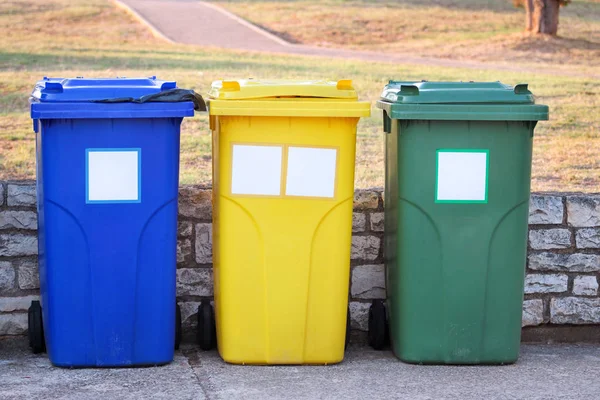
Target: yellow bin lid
(286, 98)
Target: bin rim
(80, 89)
(79, 98)
(302, 107)
(254, 89)
(84, 110)
(470, 112)
(425, 92)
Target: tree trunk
(544, 18)
(528, 15)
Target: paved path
(543, 372)
(201, 23)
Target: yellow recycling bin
(283, 186)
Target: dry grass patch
(565, 151)
(455, 29)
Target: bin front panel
(108, 251)
(456, 256)
(283, 194)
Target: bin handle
(56, 87)
(344, 84)
(522, 88)
(410, 90)
(231, 85)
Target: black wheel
(177, 326)
(347, 329)
(207, 332)
(36, 328)
(377, 325)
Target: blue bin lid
(62, 90)
(54, 98)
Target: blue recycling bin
(107, 187)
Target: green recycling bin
(458, 171)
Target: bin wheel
(347, 329)
(377, 325)
(207, 332)
(177, 326)
(36, 328)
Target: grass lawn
(456, 29)
(94, 39)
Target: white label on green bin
(311, 172)
(462, 176)
(113, 175)
(256, 170)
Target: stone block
(7, 275)
(359, 222)
(585, 286)
(194, 282)
(564, 262)
(184, 229)
(588, 238)
(29, 277)
(195, 202)
(583, 211)
(366, 200)
(11, 304)
(11, 219)
(204, 243)
(17, 244)
(368, 282)
(545, 209)
(21, 195)
(365, 248)
(184, 250)
(377, 222)
(533, 312)
(359, 315)
(189, 312)
(575, 310)
(545, 283)
(544, 239)
(13, 324)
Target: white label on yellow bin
(462, 176)
(311, 172)
(256, 170)
(113, 175)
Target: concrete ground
(543, 372)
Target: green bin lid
(460, 101)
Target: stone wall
(561, 287)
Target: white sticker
(113, 175)
(462, 176)
(256, 170)
(311, 172)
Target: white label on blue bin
(311, 172)
(113, 175)
(462, 176)
(256, 170)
